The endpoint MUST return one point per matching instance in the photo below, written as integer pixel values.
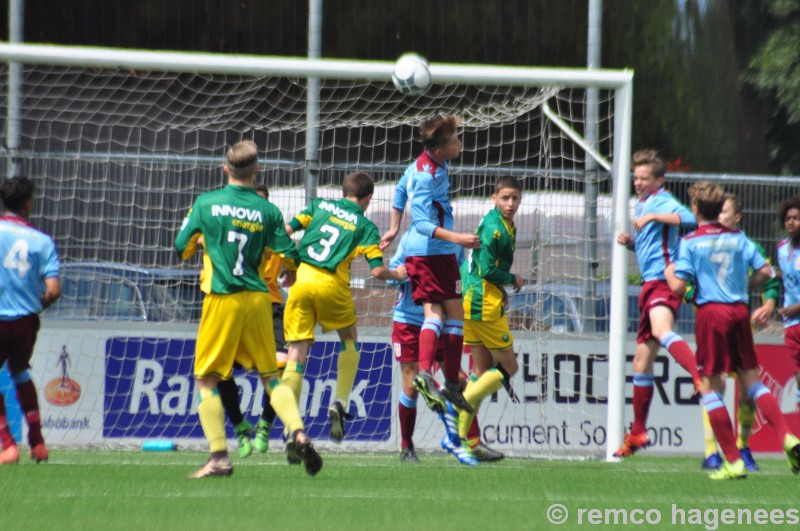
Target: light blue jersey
(718, 259)
(401, 192)
(28, 257)
(428, 190)
(789, 264)
(657, 244)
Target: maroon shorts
(724, 339)
(17, 339)
(434, 278)
(405, 343)
(791, 338)
(654, 293)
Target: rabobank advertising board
(149, 390)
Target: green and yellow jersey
(240, 231)
(336, 231)
(488, 269)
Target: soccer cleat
(424, 383)
(215, 466)
(749, 461)
(408, 455)
(291, 454)
(38, 452)
(631, 444)
(791, 445)
(309, 456)
(450, 420)
(261, 437)
(337, 415)
(447, 445)
(9, 456)
(242, 432)
(735, 470)
(464, 456)
(481, 452)
(712, 462)
(452, 392)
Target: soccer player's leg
(712, 459)
(733, 466)
(453, 336)
(429, 335)
(746, 416)
(405, 346)
(18, 350)
(643, 383)
(212, 420)
(268, 415)
(662, 319)
(229, 394)
(9, 453)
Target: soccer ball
(411, 75)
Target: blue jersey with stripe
(657, 244)
(789, 264)
(428, 190)
(718, 259)
(28, 257)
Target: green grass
(104, 490)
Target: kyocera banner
(149, 391)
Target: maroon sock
(428, 344)
(474, 430)
(681, 352)
(453, 347)
(408, 418)
(768, 407)
(26, 394)
(642, 397)
(6, 439)
(723, 430)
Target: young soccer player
(239, 229)
(407, 322)
(229, 392)
(29, 283)
(730, 217)
(431, 259)
(789, 264)
(655, 241)
(336, 231)
(717, 260)
(486, 328)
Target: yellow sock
(283, 402)
(348, 365)
(746, 417)
(293, 377)
(708, 434)
(212, 418)
(476, 391)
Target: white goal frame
(618, 81)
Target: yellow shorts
(494, 335)
(317, 297)
(236, 327)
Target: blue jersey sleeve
(401, 193)
(683, 265)
(422, 190)
(667, 204)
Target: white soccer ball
(411, 74)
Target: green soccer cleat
(261, 437)
(791, 445)
(735, 470)
(424, 383)
(242, 432)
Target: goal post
(120, 142)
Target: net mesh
(119, 155)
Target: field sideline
(102, 490)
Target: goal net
(120, 150)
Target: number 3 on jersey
(17, 258)
(326, 243)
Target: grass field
(105, 490)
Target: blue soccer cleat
(712, 462)
(749, 461)
(450, 420)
